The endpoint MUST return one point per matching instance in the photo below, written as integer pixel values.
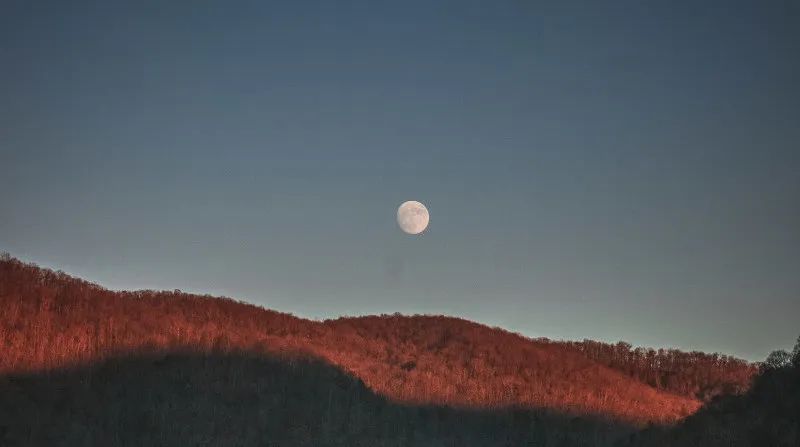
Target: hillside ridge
(52, 320)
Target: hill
(53, 322)
(768, 415)
(695, 375)
(251, 399)
(692, 374)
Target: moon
(413, 217)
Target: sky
(618, 171)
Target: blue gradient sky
(626, 172)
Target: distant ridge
(52, 321)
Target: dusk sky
(618, 172)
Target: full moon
(412, 217)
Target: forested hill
(767, 415)
(693, 374)
(696, 375)
(51, 321)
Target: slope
(251, 399)
(51, 320)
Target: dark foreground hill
(246, 399)
(767, 415)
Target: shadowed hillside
(247, 399)
(51, 321)
(768, 415)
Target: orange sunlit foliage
(692, 374)
(51, 320)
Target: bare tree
(777, 359)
